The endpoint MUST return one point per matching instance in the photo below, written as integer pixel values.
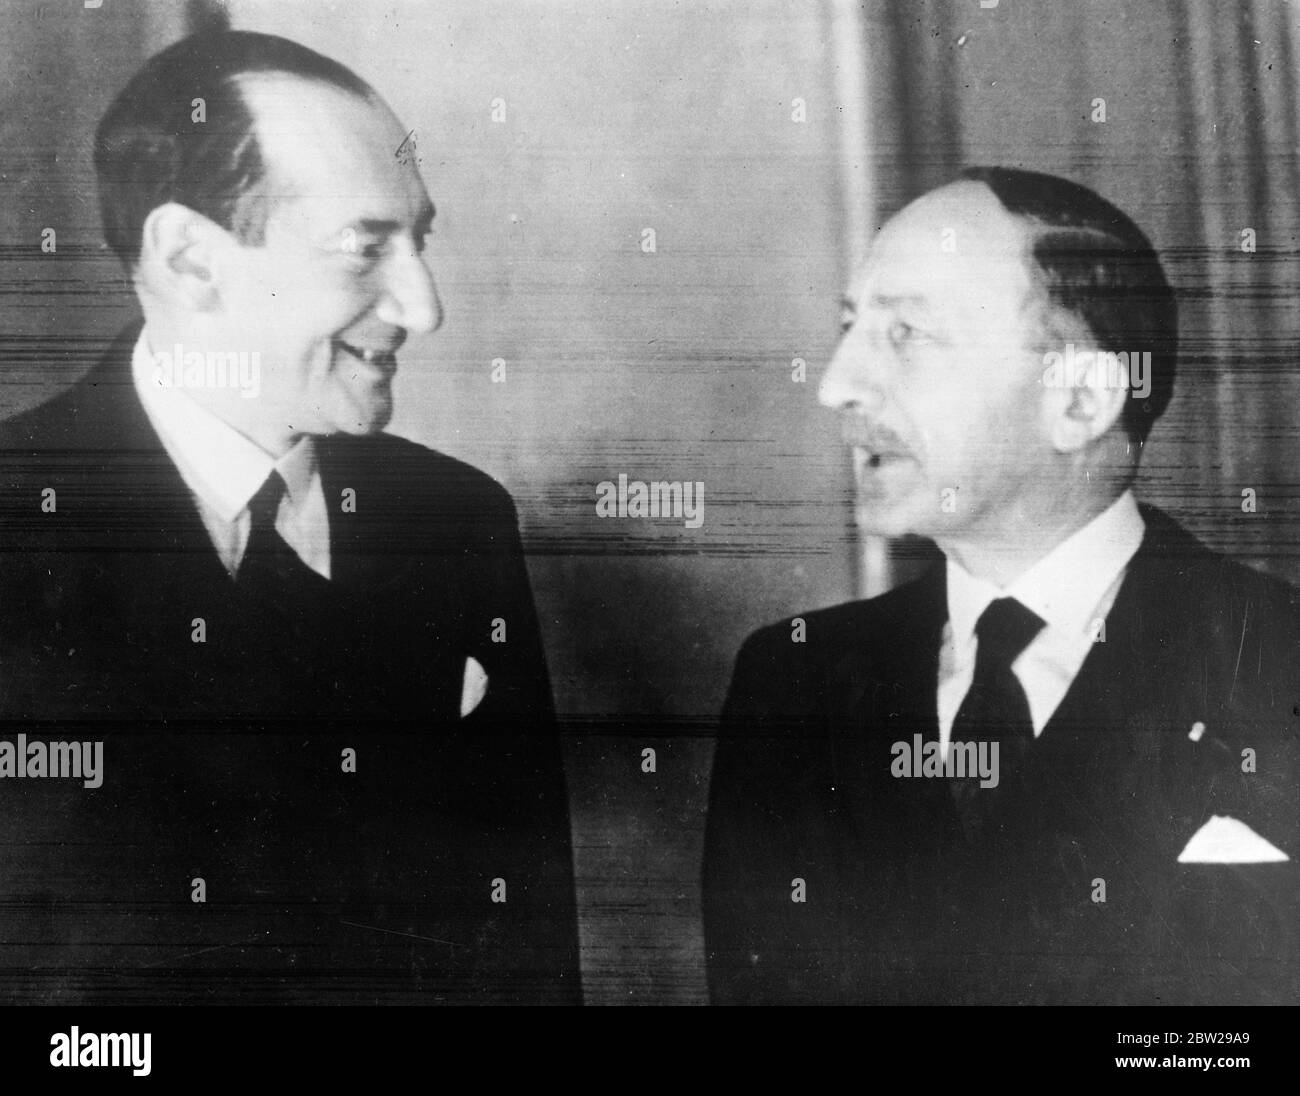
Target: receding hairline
(257, 92)
(1037, 304)
(251, 77)
(1020, 246)
(277, 188)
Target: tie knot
(262, 507)
(1005, 629)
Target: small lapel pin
(1198, 729)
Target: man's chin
(361, 414)
(372, 424)
(877, 518)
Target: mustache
(860, 433)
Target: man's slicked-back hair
(1095, 264)
(150, 149)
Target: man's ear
(176, 256)
(1090, 402)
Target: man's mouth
(873, 446)
(875, 459)
(382, 359)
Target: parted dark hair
(149, 150)
(1097, 265)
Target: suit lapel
(1124, 678)
(889, 679)
(362, 540)
(350, 563)
(143, 503)
(1098, 758)
(882, 689)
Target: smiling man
(310, 646)
(1132, 693)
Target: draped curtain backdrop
(1199, 145)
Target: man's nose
(410, 299)
(856, 376)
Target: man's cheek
(318, 363)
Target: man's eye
(361, 248)
(374, 251)
(900, 331)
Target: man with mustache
(1062, 765)
(331, 771)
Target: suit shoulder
(1250, 634)
(40, 426)
(1220, 582)
(413, 467)
(856, 624)
(1231, 596)
(1254, 589)
(783, 665)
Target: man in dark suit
(1062, 765)
(330, 770)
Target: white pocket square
(474, 686)
(1224, 840)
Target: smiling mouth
(384, 360)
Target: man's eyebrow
(883, 300)
(849, 307)
(382, 226)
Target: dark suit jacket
(224, 758)
(902, 907)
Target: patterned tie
(995, 709)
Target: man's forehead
(326, 143)
(284, 105)
(955, 240)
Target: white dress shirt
(1072, 588)
(224, 469)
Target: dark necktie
(271, 571)
(995, 708)
(284, 648)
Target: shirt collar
(1066, 585)
(218, 463)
